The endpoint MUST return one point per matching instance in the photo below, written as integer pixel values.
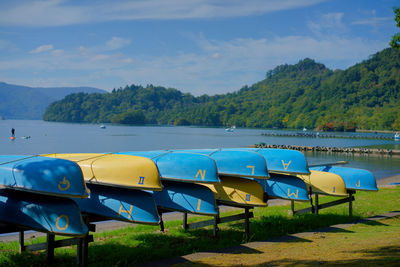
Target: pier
(328, 135)
(353, 150)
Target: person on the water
(12, 132)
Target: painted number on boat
(248, 197)
(252, 169)
(359, 183)
(122, 210)
(63, 225)
(293, 193)
(202, 174)
(64, 185)
(286, 165)
(198, 204)
(141, 179)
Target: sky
(195, 46)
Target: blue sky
(196, 46)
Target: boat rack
(82, 243)
(247, 215)
(316, 207)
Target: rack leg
(21, 241)
(351, 204)
(185, 224)
(316, 204)
(50, 248)
(216, 220)
(292, 206)
(247, 223)
(161, 223)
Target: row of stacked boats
(51, 193)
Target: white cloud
(42, 48)
(329, 23)
(117, 43)
(372, 20)
(61, 12)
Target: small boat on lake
(397, 137)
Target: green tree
(395, 42)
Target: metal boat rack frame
(82, 243)
(316, 207)
(247, 215)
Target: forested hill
(307, 94)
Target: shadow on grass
(133, 247)
(382, 256)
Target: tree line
(306, 94)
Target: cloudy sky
(196, 46)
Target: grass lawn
(133, 245)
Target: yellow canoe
(116, 170)
(325, 183)
(238, 191)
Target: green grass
(133, 245)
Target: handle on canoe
(329, 164)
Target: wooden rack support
(315, 208)
(247, 215)
(81, 242)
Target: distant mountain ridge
(306, 94)
(23, 102)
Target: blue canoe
(285, 187)
(354, 179)
(120, 204)
(41, 213)
(236, 163)
(57, 177)
(181, 166)
(193, 198)
(284, 161)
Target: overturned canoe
(354, 179)
(183, 197)
(181, 166)
(285, 187)
(47, 214)
(116, 170)
(239, 163)
(130, 205)
(325, 183)
(238, 192)
(284, 161)
(42, 175)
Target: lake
(53, 137)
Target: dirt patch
(365, 244)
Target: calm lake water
(51, 137)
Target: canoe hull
(42, 175)
(354, 179)
(285, 187)
(116, 170)
(120, 204)
(45, 214)
(180, 166)
(325, 183)
(183, 197)
(238, 192)
(238, 163)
